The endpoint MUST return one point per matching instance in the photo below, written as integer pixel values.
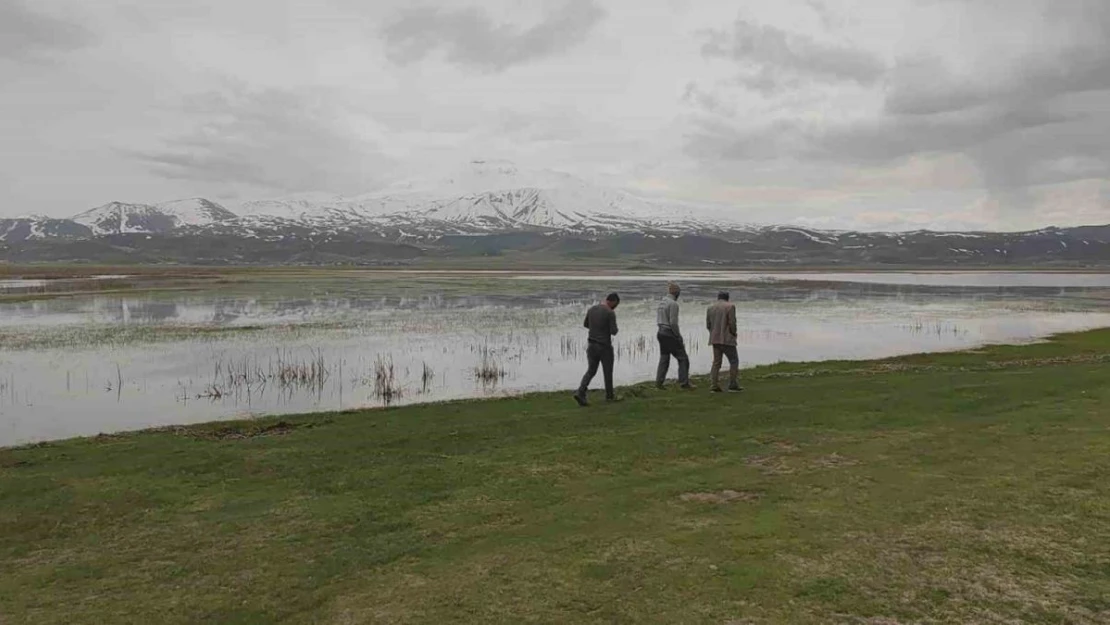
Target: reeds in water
(489, 370)
(386, 386)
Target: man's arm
(613, 324)
(709, 318)
(732, 321)
(586, 323)
(674, 320)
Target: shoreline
(638, 390)
(68, 271)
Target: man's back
(601, 321)
(720, 320)
(666, 316)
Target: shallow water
(909, 278)
(89, 364)
(31, 285)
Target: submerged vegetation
(251, 375)
(386, 387)
(489, 370)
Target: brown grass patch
(721, 497)
(769, 465)
(832, 461)
(9, 461)
(239, 432)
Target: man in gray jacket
(720, 320)
(670, 338)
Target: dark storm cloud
(1042, 120)
(770, 58)
(25, 33)
(274, 139)
(471, 37)
(870, 141)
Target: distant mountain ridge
(495, 209)
(121, 218)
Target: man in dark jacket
(601, 321)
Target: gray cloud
(28, 34)
(273, 139)
(1041, 120)
(824, 14)
(470, 37)
(771, 58)
(1015, 147)
(707, 101)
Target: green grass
(957, 488)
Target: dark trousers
(720, 352)
(598, 354)
(671, 345)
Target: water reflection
(356, 348)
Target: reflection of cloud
(470, 36)
(25, 33)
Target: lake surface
(87, 364)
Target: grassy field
(958, 488)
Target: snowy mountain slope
(119, 218)
(36, 227)
(294, 207)
(497, 196)
(122, 218)
(195, 212)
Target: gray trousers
(598, 354)
(671, 345)
(720, 352)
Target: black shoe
(581, 400)
(736, 389)
(660, 387)
(716, 389)
(614, 400)
(689, 387)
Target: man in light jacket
(720, 320)
(670, 338)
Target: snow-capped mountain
(495, 195)
(305, 206)
(37, 227)
(490, 208)
(195, 212)
(118, 218)
(487, 197)
(121, 218)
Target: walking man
(601, 321)
(720, 320)
(670, 338)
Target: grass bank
(951, 488)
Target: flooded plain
(91, 363)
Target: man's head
(612, 301)
(674, 290)
(723, 296)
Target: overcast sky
(834, 113)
